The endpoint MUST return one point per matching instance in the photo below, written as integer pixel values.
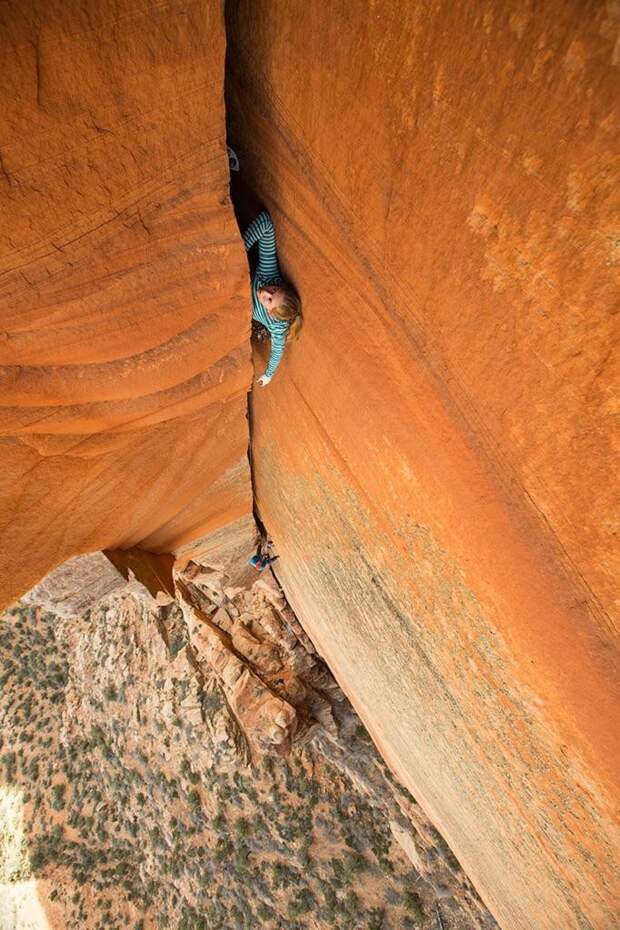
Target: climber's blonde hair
(290, 310)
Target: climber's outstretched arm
(261, 230)
(278, 341)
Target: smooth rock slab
(433, 457)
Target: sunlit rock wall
(123, 284)
(434, 456)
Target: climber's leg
(233, 161)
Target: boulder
(264, 656)
(406, 841)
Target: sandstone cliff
(123, 300)
(433, 459)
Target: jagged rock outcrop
(244, 637)
(433, 457)
(124, 293)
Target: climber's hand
(263, 380)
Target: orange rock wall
(434, 458)
(123, 283)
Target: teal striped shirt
(267, 272)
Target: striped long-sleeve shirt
(267, 272)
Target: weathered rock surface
(123, 284)
(76, 585)
(239, 640)
(433, 458)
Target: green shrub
(303, 903)
(110, 693)
(354, 863)
(413, 905)
(58, 797)
(243, 827)
(331, 899)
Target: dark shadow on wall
(246, 205)
(256, 185)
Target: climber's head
(271, 296)
(282, 302)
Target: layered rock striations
(123, 284)
(433, 459)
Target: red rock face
(433, 459)
(123, 288)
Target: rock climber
(275, 303)
(260, 562)
(264, 556)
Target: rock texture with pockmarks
(433, 458)
(123, 284)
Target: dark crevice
(245, 205)
(257, 518)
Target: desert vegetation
(140, 813)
